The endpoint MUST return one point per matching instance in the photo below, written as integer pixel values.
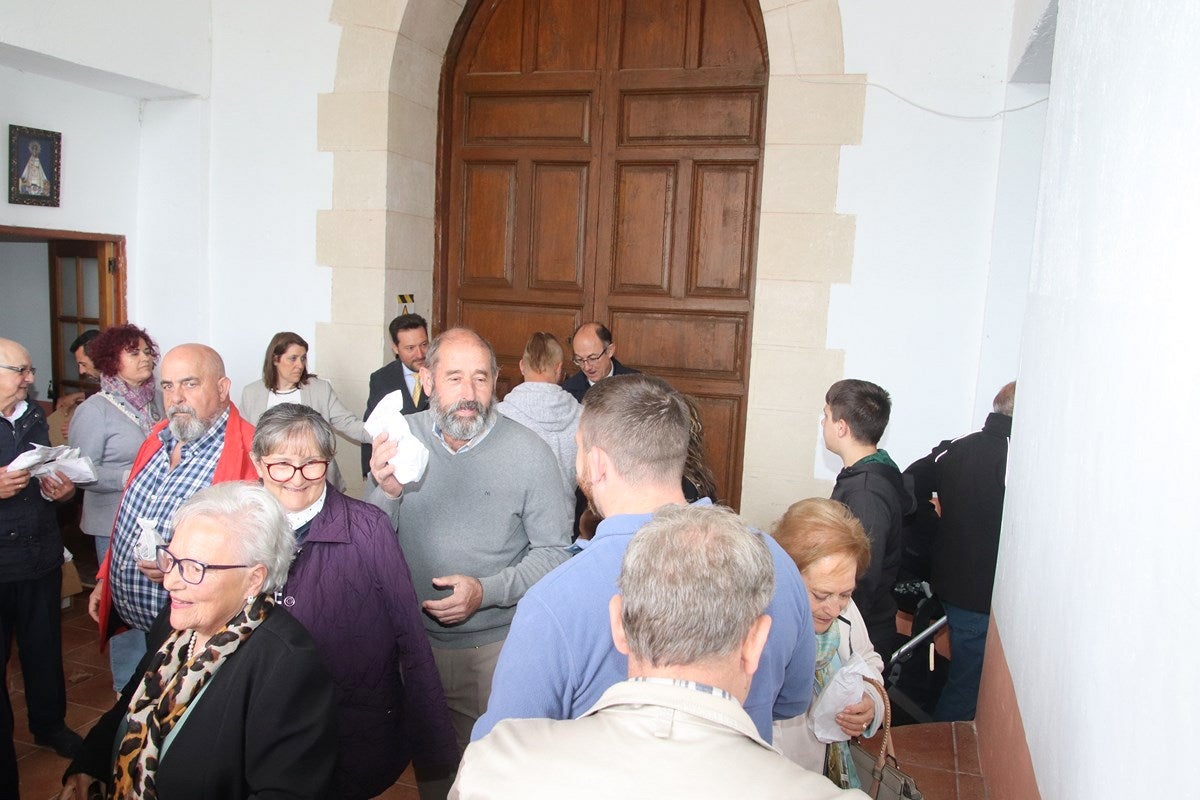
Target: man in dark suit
(410, 340)
(594, 355)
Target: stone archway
(381, 124)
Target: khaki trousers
(467, 680)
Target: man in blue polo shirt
(559, 658)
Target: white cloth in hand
(411, 456)
(844, 689)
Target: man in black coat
(968, 475)
(595, 355)
(31, 557)
(410, 340)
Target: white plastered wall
(234, 187)
(926, 185)
(1096, 598)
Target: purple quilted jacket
(351, 588)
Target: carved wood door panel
(602, 161)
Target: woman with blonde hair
(831, 550)
(286, 379)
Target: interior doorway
(62, 283)
(602, 161)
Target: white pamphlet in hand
(845, 688)
(43, 460)
(146, 548)
(411, 456)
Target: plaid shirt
(154, 494)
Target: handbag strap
(886, 751)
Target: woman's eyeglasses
(282, 472)
(191, 570)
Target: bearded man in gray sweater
(483, 524)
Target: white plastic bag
(411, 456)
(844, 689)
(146, 548)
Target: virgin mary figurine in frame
(34, 164)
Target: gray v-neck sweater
(494, 511)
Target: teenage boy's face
(828, 432)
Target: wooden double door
(601, 160)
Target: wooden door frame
(117, 312)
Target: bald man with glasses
(595, 356)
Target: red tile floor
(942, 757)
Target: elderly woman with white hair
(232, 699)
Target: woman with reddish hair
(831, 550)
(108, 428)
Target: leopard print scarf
(172, 682)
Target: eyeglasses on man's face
(191, 570)
(22, 371)
(579, 361)
(282, 472)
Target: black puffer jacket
(30, 543)
(875, 491)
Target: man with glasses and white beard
(595, 356)
(201, 441)
(483, 524)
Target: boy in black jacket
(870, 484)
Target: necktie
(416, 392)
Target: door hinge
(112, 266)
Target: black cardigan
(263, 728)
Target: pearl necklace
(191, 647)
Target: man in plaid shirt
(202, 440)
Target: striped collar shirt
(703, 688)
(155, 493)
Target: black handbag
(888, 782)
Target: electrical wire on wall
(915, 104)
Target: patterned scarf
(136, 402)
(172, 682)
(839, 766)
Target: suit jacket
(643, 740)
(385, 380)
(263, 728)
(318, 395)
(578, 384)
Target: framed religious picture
(34, 166)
